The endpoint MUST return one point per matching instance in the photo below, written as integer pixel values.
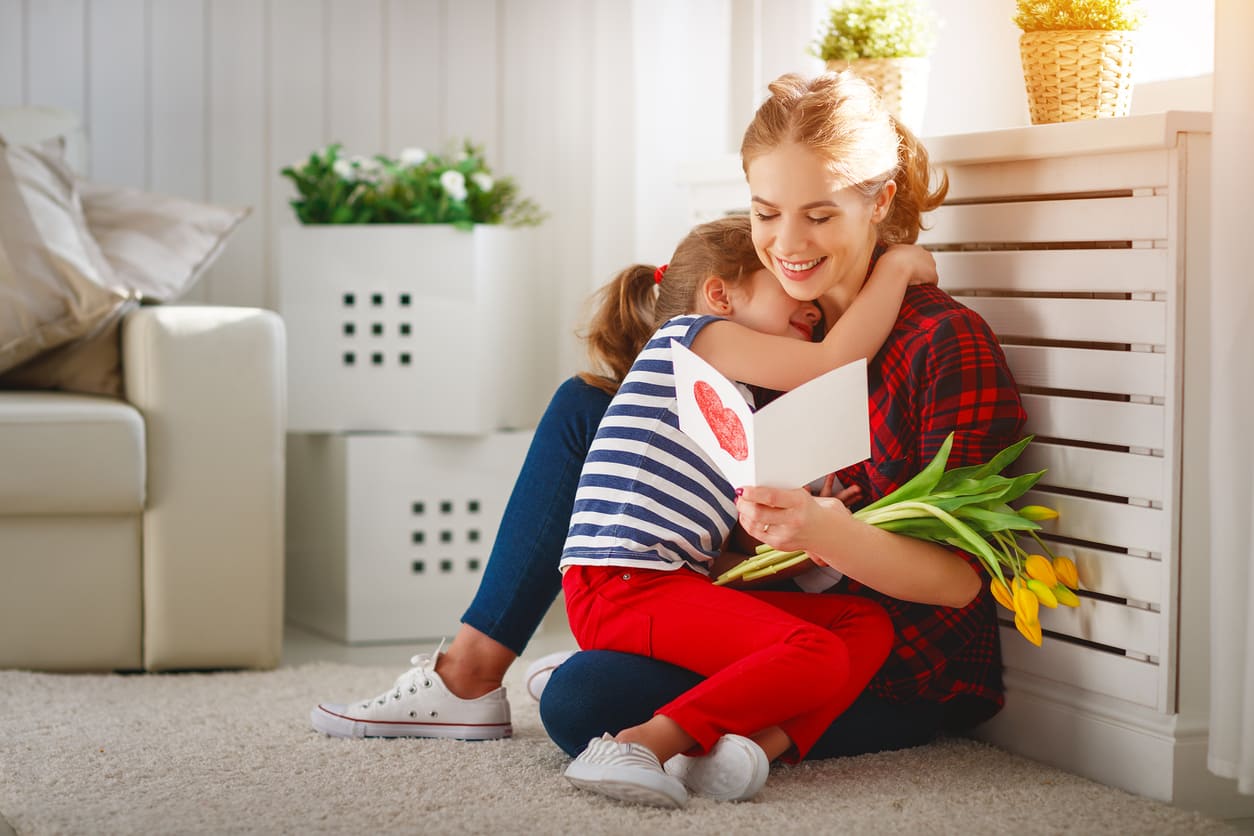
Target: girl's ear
(715, 296)
(883, 201)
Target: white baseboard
(1114, 743)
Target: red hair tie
(659, 273)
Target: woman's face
(815, 235)
(761, 304)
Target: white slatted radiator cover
(1078, 287)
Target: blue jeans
(599, 691)
(520, 580)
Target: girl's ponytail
(631, 307)
(620, 326)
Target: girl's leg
(766, 666)
(597, 692)
(520, 580)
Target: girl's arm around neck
(782, 363)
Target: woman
(831, 178)
(940, 370)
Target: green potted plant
(888, 43)
(413, 188)
(1077, 57)
(413, 290)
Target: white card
(815, 429)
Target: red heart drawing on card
(724, 422)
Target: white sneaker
(538, 672)
(418, 705)
(627, 772)
(734, 770)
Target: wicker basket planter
(1074, 74)
(901, 83)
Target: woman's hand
(791, 520)
(918, 262)
(892, 564)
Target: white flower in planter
(368, 169)
(411, 157)
(454, 184)
(344, 170)
(483, 180)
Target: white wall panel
(239, 162)
(177, 97)
(415, 73)
(548, 150)
(12, 53)
(473, 67)
(117, 107)
(56, 51)
(682, 99)
(297, 115)
(354, 75)
(613, 152)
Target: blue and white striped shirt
(648, 496)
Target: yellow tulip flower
(1027, 605)
(1037, 513)
(1039, 567)
(1066, 596)
(1031, 630)
(1002, 593)
(1043, 593)
(1065, 569)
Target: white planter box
(388, 535)
(416, 328)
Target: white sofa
(147, 533)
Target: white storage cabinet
(388, 533)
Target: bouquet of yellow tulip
(966, 507)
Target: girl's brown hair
(633, 304)
(840, 117)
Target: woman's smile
(798, 271)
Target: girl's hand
(848, 495)
(918, 262)
(790, 520)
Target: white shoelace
(424, 667)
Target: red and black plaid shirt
(940, 370)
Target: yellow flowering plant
(1049, 15)
(966, 507)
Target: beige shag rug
(233, 753)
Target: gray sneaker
(627, 772)
(734, 770)
(418, 705)
(539, 671)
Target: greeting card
(817, 428)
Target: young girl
(652, 513)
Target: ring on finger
(766, 527)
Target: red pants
(787, 659)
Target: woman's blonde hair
(840, 117)
(634, 303)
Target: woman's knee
(573, 415)
(599, 691)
